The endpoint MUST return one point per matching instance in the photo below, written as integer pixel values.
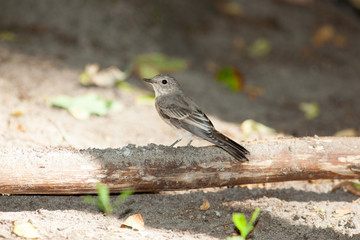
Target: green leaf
(85, 78)
(123, 85)
(149, 65)
(231, 77)
(96, 202)
(82, 107)
(148, 71)
(260, 47)
(90, 200)
(122, 197)
(254, 216)
(146, 99)
(310, 109)
(235, 238)
(7, 36)
(356, 185)
(240, 222)
(104, 203)
(103, 192)
(245, 227)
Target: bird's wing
(198, 120)
(182, 112)
(174, 111)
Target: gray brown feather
(182, 112)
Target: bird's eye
(164, 82)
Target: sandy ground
(56, 39)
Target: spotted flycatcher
(184, 115)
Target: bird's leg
(178, 140)
(189, 144)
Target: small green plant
(82, 107)
(103, 201)
(244, 226)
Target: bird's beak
(148, 80)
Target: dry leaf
(349, 132)
(231, 8)
(205, 206)
(108, 77)
(342, 212)
(114, 229)
(135, 222)
(26, 230)
(250, 127)
(21, 128)
(327, 34)
(351, 187)
(323, 35)
(17, 113)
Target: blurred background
(70, 71)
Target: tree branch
(155, 168)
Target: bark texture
(155, 168)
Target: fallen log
(155, 167)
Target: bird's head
(163, 84)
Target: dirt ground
(54, 40)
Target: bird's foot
(172, 145)
(189, 144)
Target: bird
(181, 113)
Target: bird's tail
(235, 149)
